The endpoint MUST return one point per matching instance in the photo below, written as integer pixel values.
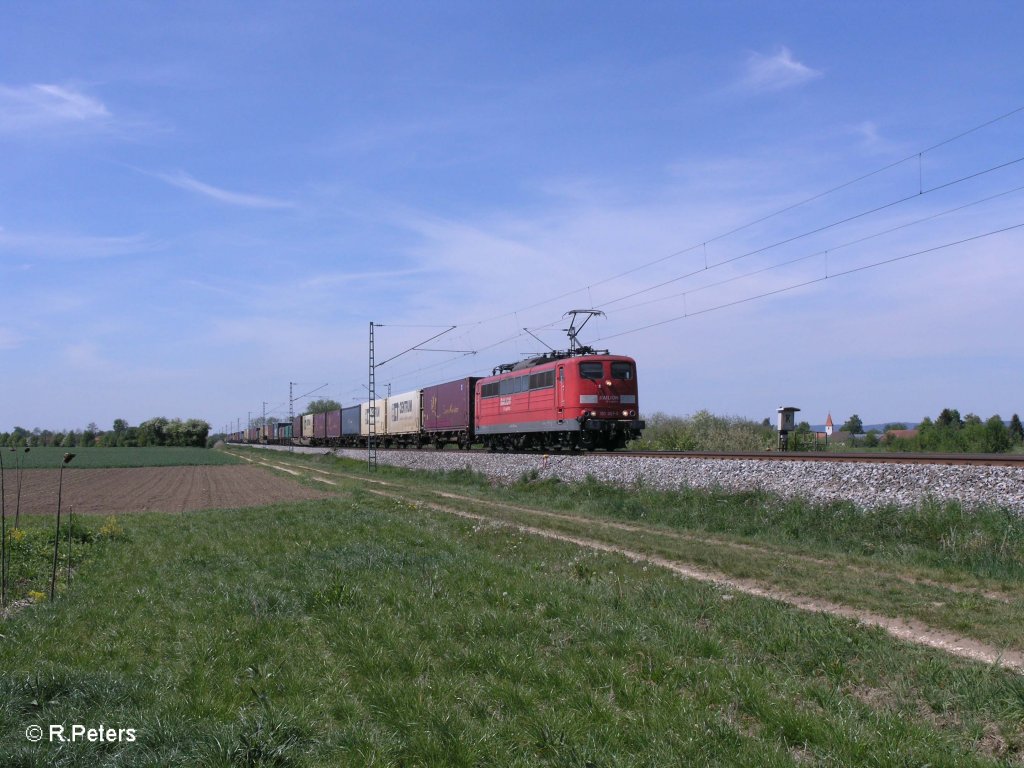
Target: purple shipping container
(297, 426)
(320, 425)
(449, 407)
(350, 420)
(333, 424)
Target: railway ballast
(868, 485)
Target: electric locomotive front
(600, 394)
(587, 401)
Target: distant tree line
(950, 433)
(154, 432)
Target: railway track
(961, 459)
(954, 459)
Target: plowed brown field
(152, 489)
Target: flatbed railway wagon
(586, 401)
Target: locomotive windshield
(591, 370)
(622, 371)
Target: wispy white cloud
(184, 181)
(45, 106)
(872, 141)
(776, 72)
(64, 247)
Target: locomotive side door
(560, 391)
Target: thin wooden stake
(71, 525)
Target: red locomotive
(582, 398)
(583, 401)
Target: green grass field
(368, 630)
(95, 458)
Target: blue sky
(202, 202)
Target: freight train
(577, 400)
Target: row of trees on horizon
(158, 431)
(948, 433)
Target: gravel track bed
(866, 485)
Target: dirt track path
(905, 629)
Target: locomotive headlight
(625, 413)
(607, 382)
(632, 413)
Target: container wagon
(380, 420)
(448, 411)
(350, 426)
(404, 419)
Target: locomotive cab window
(622, 371)
(591, 370)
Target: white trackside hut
(786, 424)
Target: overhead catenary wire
(415, 346)
(817, 230)
(830, 249)
(784, 289)
(768, 217)
(812, 281)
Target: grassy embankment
(379, 630)
(959, 571)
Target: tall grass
(31, 547)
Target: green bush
(703, 431)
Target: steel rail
(960, 459)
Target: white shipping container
(380, 417)
(307, 425)
(404, 413)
